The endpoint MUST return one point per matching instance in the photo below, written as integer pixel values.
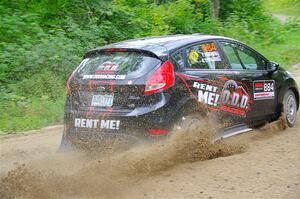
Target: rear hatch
(114, 80)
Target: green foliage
(286, 52)
(243, 9)
(45, 85)
(20, 114)
(285, 7)
(41, 42)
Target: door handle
(245, 79)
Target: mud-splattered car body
(140, 88)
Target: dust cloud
(85, 175)
(271, 129)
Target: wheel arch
(282, 93)
(189, 104)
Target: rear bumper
(102, 126)
(82, 138)
(91, 138)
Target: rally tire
(189, 121)
(65, 145)
(290, 108)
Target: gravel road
(261, 164)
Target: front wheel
(290, 108)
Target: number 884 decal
(263, 89)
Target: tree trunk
(216, 8)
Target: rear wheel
(65, 143)
(290, 108)
(190, 121)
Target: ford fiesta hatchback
(139, 89)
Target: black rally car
(141, 88)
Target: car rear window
(126, 64)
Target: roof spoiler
(105, 50)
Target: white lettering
(225, 96)
(203, 86)
(216, 99)
(196, 85)
(104, 124)
(235, 99)
(89, 123)
(244, 101)
(202, 96)
(104, 77)
(211, 98)
(77, 122)
(83, 123)
(206, 87)
(209, 88)
(95, 123)
(112, 124)
(118, 124)
(215, 89)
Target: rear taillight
(68, 84)
(161, 79)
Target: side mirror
(273, 66)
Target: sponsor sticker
(95, 123)
(107, 67)
(213, 56)
(234, 98)
(193, 56)
(108, 76)
(207, 93)
(209, 47)
(231, 97)
(263, 89)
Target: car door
(250, 69)
(208, 80)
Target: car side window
(178, 60)
(230, 52)
(248, 58)
(244, 58)
(204, 56)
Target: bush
(44, 85)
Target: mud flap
(232, 131)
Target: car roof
(161, 45)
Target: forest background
(43, 41)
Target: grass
(291, 11)
(283, 7)
(17, 116)
(286, 53)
